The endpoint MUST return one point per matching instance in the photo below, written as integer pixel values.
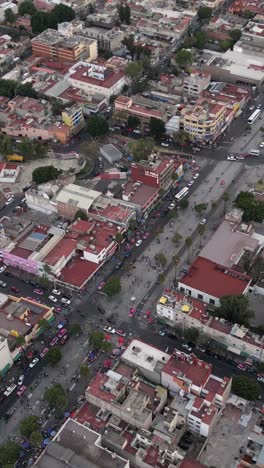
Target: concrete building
(252, 38)
(109, 39)
(110, 153)
(127, 106)
(196, 82)
(73, 117)
(53, 45)
(92, 79)
(6, 6)
(8, 173)
(73, 198)
(154, 172)
(6, 360)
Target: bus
(181, 194)
(254, 116)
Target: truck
(15, 157)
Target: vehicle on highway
(56, 292)
(65, 300)
(3, 284)
(138, 243)
(204, 221)
(196, 175)
(43, 352)
(62, 332)
(146, 235)
(186, 346)
(2, 268)
(254, 116)
(10, 389)
(21, 390)
(109, 330)
(132, 312)
(14, 289)
(101, 285)
(38, 291)
(121, 333)
(240, 157)
(138, 132)
(53, 299)
(54, 341)
(64, 339)
(33, 363)
(20, 380)
(181, 194)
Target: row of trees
(124, 13)
(11, 88)
(27, 148)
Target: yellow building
(73, 117)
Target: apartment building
(73, 117)
(127, 105)
(196, 82)
(53, 45)
(154, 172)
(109, 39)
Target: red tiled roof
(63, 249)
(197, 370)
(77, 272)
(190, 463)
(208, 277)
(107, 82)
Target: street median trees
(112, 286)
(56, 397)
(29, 425)
(54, 356)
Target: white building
(196, 82)
(6, 360)
(6, 6)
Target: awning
(231, 349)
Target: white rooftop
(140, 354)
(81, 197)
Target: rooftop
(140, 354)
(86, 73)
(77, 272)
(209, 277)
(188, 367)
(189, 463)
(138, 193)
(62, 250)
(81, 197)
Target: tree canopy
(156, 127)
(204, 13)
(54, 356)
(80, 215)
(75, 329)
(29, 425)
(245, 387)
(56, 397)
(133, 121)
(9, 453)
(124, 13)
(97, 340)
(36, 438)
(161, 259)
(40, 20)
(134, 70)
(11, 88)
(97, 126)
(112, 286)
(235, 309)
(181, 137)
(253, 210)
(10, 16)
(184, 58)
(40, 175)
(26, 8)
(141, 149)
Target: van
(254, 152)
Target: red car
(58, 309)
(43, 352)
(121, 333)
(132, 312)
(14, 289)
(64, 339)
(101, 285)
(21, 390)
(38, 291)
(54, 341)
(62, 332)
(146, 235)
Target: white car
(261, 145)
(64, 300)
(136, 131)
(196, 175)
(231, 158)
(56, 292)
(260, 379)
(20, 380)
(53, 299)
(10, 389)
(190, 183)
(33, 363)
(109, 330)
(165, 144)
(171, 206)
(2, 268)
(204, 221)
(138, 243)
(186, 346)
(8, 202)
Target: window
(200, 296)
(211, 301)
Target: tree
(245, 387)
(127, 13)
(184, 58)
(257, 270)
(121, 12)
(112, 286)
(97, 126)
(44, 324)
(177, 238)
(45, 174)
(119, 239)
(156, 127)
(54, 356)
(176, 261)
(184, 204)
(26, 90)
(204, 13)
(80, 215)
(188, 244)
(9, 454)
(235, 34)
(29, 425)
(201, 231)
(10, 16)
(161, 259)
(226, 44)
(200, 207)
(25, 148)
(56, 397)
(62, 13)
(182, 138)
(96, 339)
(39, 22)
(141, 149)
(133, 121)
(253, 210)
(26, 8)
(235, 309)
(35, 439)
(84, 371)
(200, 39)
(75, 329)
(134, 70)
(191, 334)
(20, 340)
(226, 198)
(6, 146)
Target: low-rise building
(109, 39)
(220, 27)
(73, 118)
(126, 105)
(154, 172)
(7, 5)
(8, 173)
(252, 38)
(196, 82)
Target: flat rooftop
(189, 367)
(139, 195)
(140, 354)
(77, 272)
(81, 197)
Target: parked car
(65, 300)
(2, 268)
(204, 221)
(64, 339)
(54, 341)
(190, 183)
(62, 332)
(43, 352)
(33, 363)
(164, 143)
(146, 235)
(186, 346)
(109, 330)
(53, 299)
(56, 292)
(138, 243)
(231, 158)
(3, 284)
(132, 312)
(14, 289)
(21, 390)
(38, 291)
(121, 333)
(101, 285)
(20, 380)
(242, 367)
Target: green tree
(184, 204)
(62, 13)
(235, 309)
(20, 340)
(112, 286)
(44, 174)
(96, 339)
(75, 329)
(29, 425)
(257, 270)
(39, 22)
(182, 138)
(245, 387)
(54, 356)
(204, 13)
(9, 454)
(141, 149)
(201, 231)
(200, 39)
(184, 58)
(10, 16)
(191, 334)
(36, 439)
(200, 207)
(177, 238)
(133, 121)
(56, 397)
(80, 215)
(127, 13)
(6, 146)
(8, 88)
(121, 12)
(119, 239)
(253, 210)
(175, 260)
(25, 148)
(134, 70)
(43, 323)
(235, 34)
(84, 371)
(226, 44)
(188, 244)
(156, 127)
(161, 259)
(26, 90)
(26, 8)
(97, 126)
(226, 198)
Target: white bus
(181, 194)
(254, 116)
